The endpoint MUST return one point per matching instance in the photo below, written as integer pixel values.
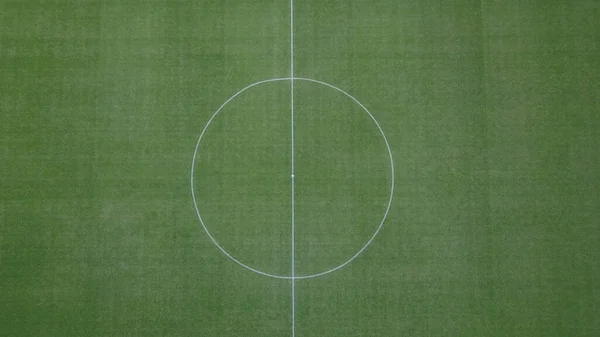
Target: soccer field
(299, 168)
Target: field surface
(147, 151)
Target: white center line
(292, 164)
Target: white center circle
(389, 203)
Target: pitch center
(343, 176)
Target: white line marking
(292, 176)
(292, 39)
(296, 277)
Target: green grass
(491, 110)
